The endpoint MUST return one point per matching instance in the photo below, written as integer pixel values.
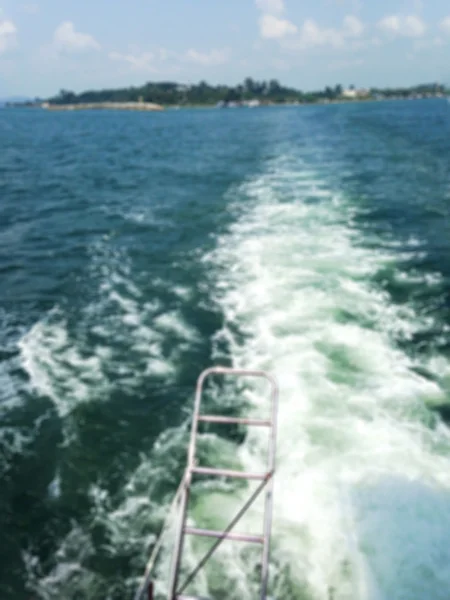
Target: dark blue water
(137, 250)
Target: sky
(47, 45)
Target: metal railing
(266, 479)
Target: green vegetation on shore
(263, 92)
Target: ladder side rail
(268, 508)
(179, 540)
(146, 582)
(195, 417)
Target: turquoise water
(137, 250)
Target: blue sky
(46, 45)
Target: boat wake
(362, 488)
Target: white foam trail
(131, 333)
(357, 457)
(55, 366)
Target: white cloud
(8, 35)
(68, 39)
(271, 7)
(138, 62)
(207, 59)
(410, 26)
(7, 28)
(152, 61)
(414, 26)
(272, 27)
(312, 35)
(390, 24)
(445, 25)
(353, 27)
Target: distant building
(349, 94)
(252, 103)
(353, 94)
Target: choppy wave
(118, 338)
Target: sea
(137, 250)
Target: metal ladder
(266, 481)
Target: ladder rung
(228, 473)
(238, 537)
(235, 420)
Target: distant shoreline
(142, 106)
(152, 107)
